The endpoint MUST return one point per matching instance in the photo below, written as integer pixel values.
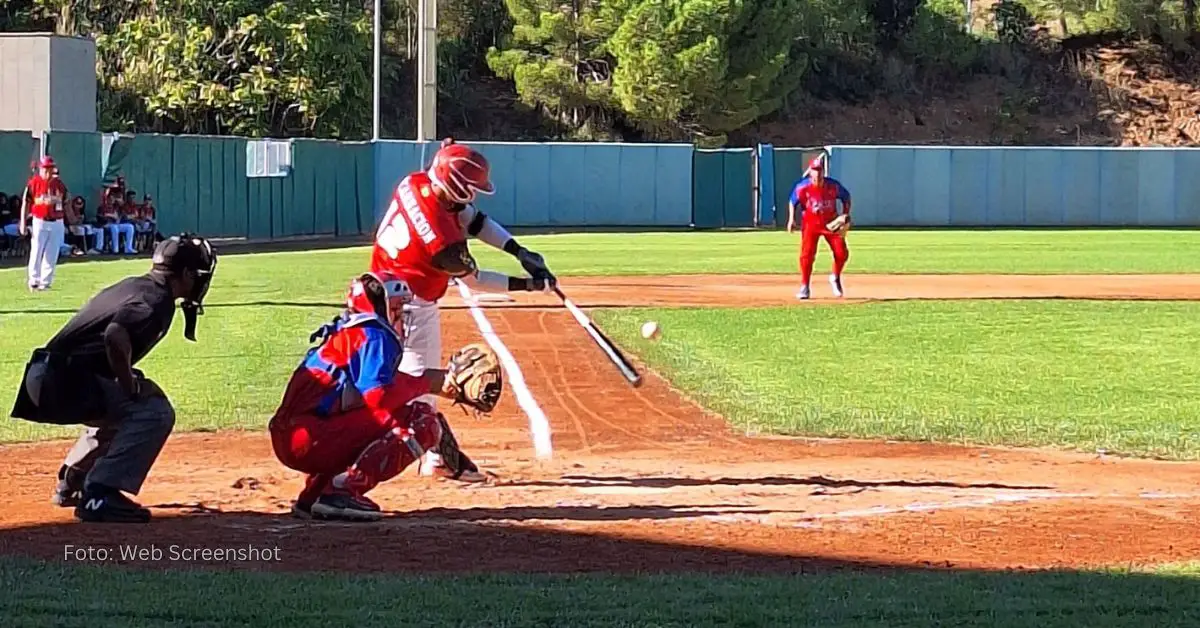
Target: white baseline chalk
(538, 425)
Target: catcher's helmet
(461, 171)
(382, 294)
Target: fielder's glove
(474, 378)
(839, 225)
(453, 458)
(535, 265)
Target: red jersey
(48, 197)
(818, 204)
(415, 228)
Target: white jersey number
(391, 237)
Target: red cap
(817, 163)
(46, 162)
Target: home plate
(492, 297)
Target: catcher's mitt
(841, 224)
(474, 378)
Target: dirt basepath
(644, 480)
(766, 290)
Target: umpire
(85, 375)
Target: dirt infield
(644, 480)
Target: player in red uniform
(42, 218)
(816, 197)
(423, 240)
(346, 418)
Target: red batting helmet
(382, 294)
(46, 162)
(461, 171)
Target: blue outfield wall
(343, 188)
(565, 184)
(722, 183)
(1009, 187)
(199, 183)
(18, 152)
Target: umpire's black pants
(118, 449)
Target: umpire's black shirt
(142, 305)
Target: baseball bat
(614, 354)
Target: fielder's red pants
(810, 234)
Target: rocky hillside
(1091, 90)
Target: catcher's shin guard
(455, 465)
(386, 457)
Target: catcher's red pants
(810, 234)
(312, 444)
(368, 447)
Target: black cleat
(302, 509)
(107, 505)
(69, 491)
(66, 496)
(339, 506)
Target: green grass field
(1072, 374)
(1120, 376)
(771, 252)
(91, 597)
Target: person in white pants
(110, 221)
(42, 217)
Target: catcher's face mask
(192, 256)
(382, 294)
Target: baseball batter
(347, 417)
(816, 198)
(423, 240)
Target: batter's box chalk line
(539, 427)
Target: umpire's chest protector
(66, 394)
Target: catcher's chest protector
(331, 332)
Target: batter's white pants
(45, 239)
(422, 349)
(422, 341)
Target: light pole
(427, 71)
(375, 123)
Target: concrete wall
(72, 84)
(24, 82)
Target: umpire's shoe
(101, 504)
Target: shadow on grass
(436, 540)
(505, 575)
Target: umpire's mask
(182, 253)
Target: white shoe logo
(94, 504)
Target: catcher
(347, 418)
(816, 196)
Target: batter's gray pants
(119, 449)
